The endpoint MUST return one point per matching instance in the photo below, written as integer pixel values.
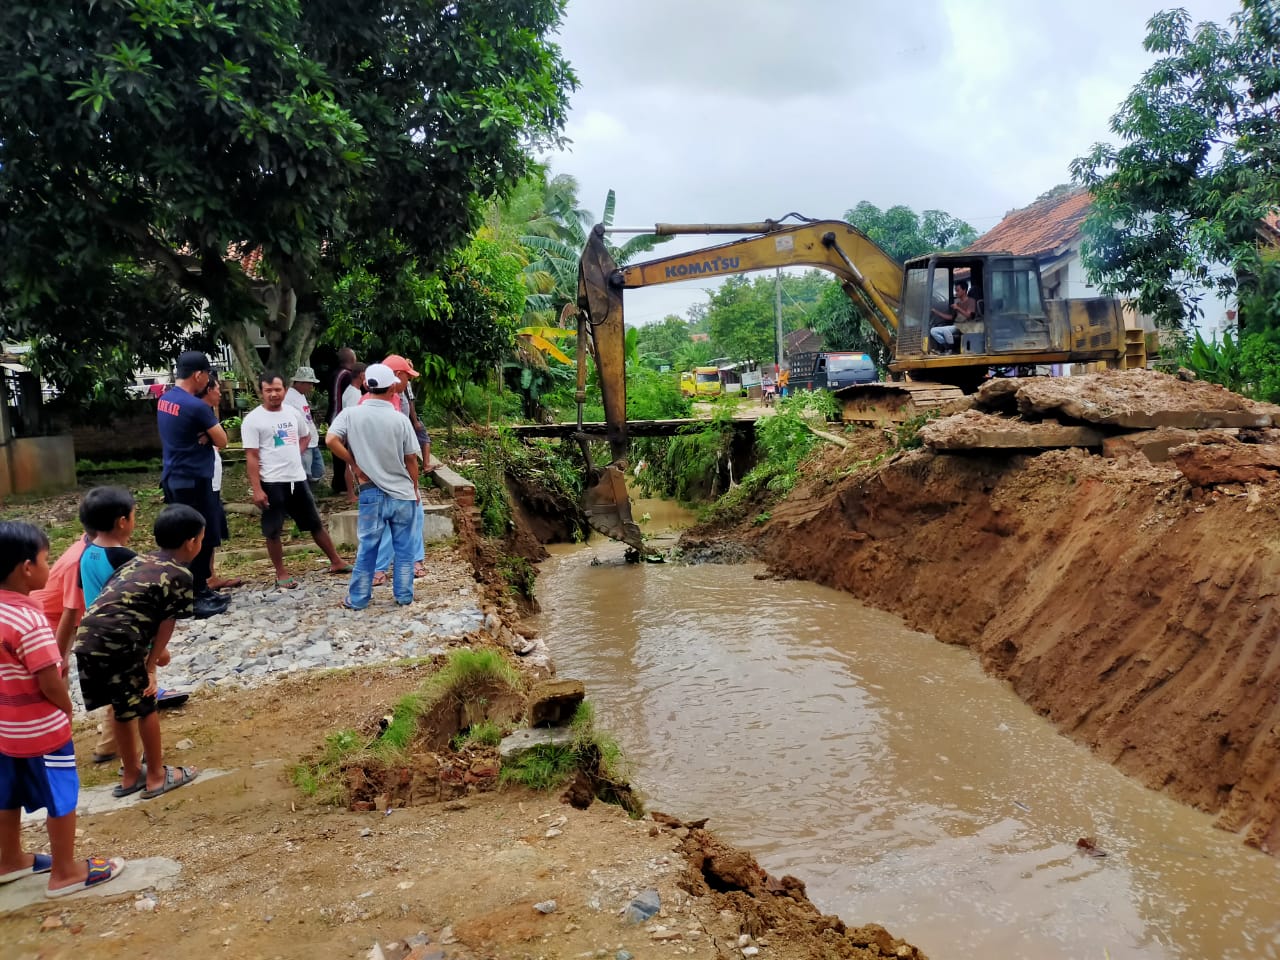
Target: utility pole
(777, 316)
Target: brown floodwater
(887, 771)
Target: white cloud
(736, 110)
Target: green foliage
(1249, 365)
(655, 396)
(486, 733)
(467, 667)
(84, 466)
(519, 574)
(1184, 193)
(160, 157)
(556, 470)
(321, 778)
(903, 234)
(843, 326)
(761, 518)
(908, 432)
(687, 467)
(548, 767)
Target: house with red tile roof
(1051, 230)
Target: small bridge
(635, 428)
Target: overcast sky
(738, 110)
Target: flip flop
(100, 871)
(380, 578)
(227, 584)
(168, 699)
(120, 790)
(286, 583)
(347, 606)
(184, 776)
(419, 570)
(41, 863)
(346, 568)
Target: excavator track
(892, 402)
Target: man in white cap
(379, 443)
(298, 397)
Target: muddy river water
(887, 771)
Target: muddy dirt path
(267, 874)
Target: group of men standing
(379, 448)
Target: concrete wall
(37, 465)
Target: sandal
(419, 570)
(380, 578)
(100, 871)
(346, 605)
(338, 571)
(184, 775)
(120, 790)
(287, 583)
(40, 863)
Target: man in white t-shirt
(298, 396)
(275, 438)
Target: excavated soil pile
(1126, 590)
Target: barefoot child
(123, 638)
(37, 756)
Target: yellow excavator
(1011, 325)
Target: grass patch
(321, 777)
(597, 754)
(483, 734)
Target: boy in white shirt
(276, 438)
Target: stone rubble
(267, 634)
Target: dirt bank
(1131, 605)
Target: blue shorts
(49, 782)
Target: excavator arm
(868, 275)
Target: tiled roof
(1040, 228)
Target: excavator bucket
(608, 508)
(606, 503)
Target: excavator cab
(1010, 317)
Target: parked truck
(830, 370)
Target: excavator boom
(943, 350)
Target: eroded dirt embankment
(1135, 610)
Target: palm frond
(610, 202)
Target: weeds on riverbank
(454, 699)
(591, 765)
(783, 441)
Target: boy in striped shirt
(37, 756)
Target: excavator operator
(947, 335)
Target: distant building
(801, 341)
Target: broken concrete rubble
(1227, 461)
(973, 430)
(1140, 399)
(1156, 444)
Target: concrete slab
(99, 799)
(522, 741)
(148, 873)
(1156, 444)
(972, 430)
(437, 524)
(1141, 400)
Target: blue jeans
(313, 463)
(385, 550)
(379, 513)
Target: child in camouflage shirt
(123, 638)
